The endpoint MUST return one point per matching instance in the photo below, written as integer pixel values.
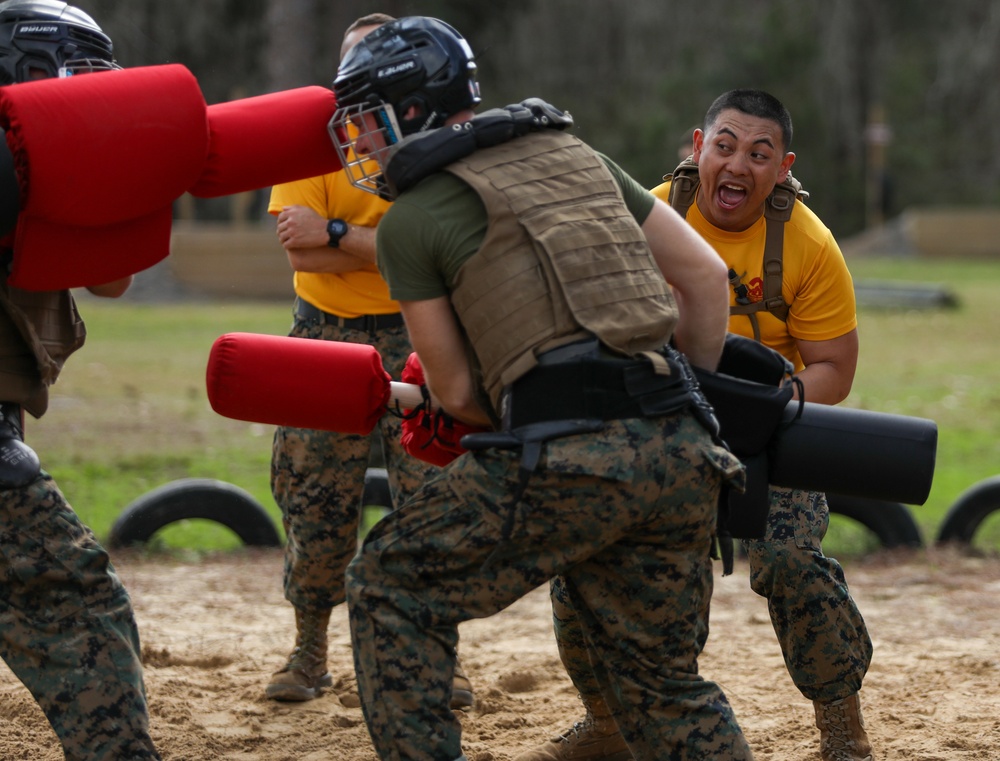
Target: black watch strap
(336, 229)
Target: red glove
(431, 436)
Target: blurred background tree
(894, 102)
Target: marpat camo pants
(822, 635)
(625, 516)
(67, 629)
(317, 478)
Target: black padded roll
(857, 453)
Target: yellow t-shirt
(346, 294)
(816, 283)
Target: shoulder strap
(683, 185)
(423, 153)
(778, 210)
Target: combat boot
(304, 677)
(842, 735)
(461, 689)
(596, 738)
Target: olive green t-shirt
(433, 228)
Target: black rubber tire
(891, 522)
(377, 493)
(195, 498)
(971, 508)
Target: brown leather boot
(596, 738)
(304, 677)
(842, 735)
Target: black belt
(598, 389)
(370, 322)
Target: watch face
(336, 229)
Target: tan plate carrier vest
(38, 331)
(562, 259)
(684, 183)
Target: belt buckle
(364, 322)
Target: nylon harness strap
(778, 209)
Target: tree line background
(895, 103)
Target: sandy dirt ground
(214, 630)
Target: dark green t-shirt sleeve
(638, 200)
(427, 235)
(405, 240)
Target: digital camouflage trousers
(625, 516)
(822, 634)
(67, 628)
(317, 479)
(823, 637)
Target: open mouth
(731, 196)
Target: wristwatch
(336, 229)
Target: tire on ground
(891, 522)
(971, 508)
(195, 498)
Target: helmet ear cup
(412, 112)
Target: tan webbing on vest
(563, 259)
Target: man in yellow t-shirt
(327, 228)
(815, 283)
(742, 153)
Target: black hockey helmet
(420, 66)
(45, 38)
(407, 76)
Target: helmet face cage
(76, 66)
(363, 136)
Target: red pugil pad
(298, 382)
(267, 140)
(100, 159)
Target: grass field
(941, 364)
(130, 413)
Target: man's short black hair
(755, 103)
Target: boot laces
(839, 742)
(580, 729)
(309, 653)
(589, 728)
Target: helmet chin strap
(430, 122)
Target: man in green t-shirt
(544, 292)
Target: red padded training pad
(298, 382)
(267, 140)
(100, 159)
